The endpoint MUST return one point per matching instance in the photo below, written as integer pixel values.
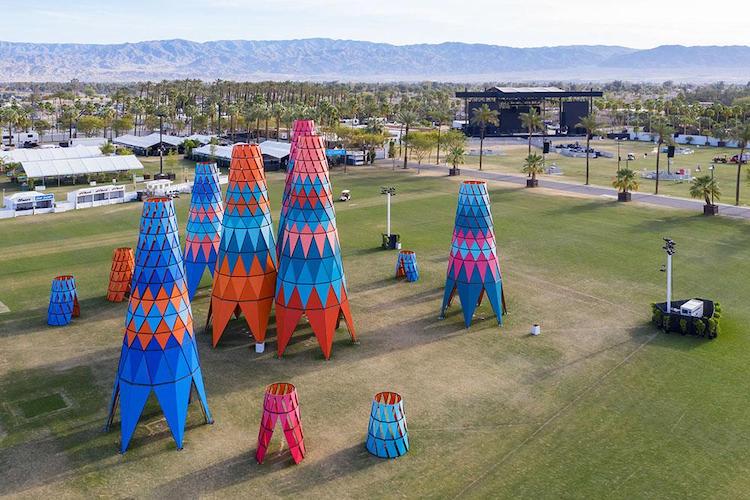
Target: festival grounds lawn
(600, 405)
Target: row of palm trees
(229, 107)
(683, 113)
(484, 116)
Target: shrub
(700, 327)
(656, 316)
(713, 328)
(391, 149)
(667, 323)
(683, 326)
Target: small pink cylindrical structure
(281, 403)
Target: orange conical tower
(245, 274)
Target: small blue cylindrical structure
(406, 265)
(63, 301)
(387, 435)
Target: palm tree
(10, 116)
(531, 121)
(590, 124)
(665, 133)
(742, 136)
(407, 117)
(625, 182)
(707, 188)
(440, 116)
(533, 166)
(482, 117)
(266, 115)
(277, 110)
(455, 156)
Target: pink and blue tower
(473, 265)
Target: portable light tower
(388, 192)
(390, 241)
(669, 248)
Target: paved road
(659, 200)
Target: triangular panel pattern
(281, 404)
(159, 352)
(387, 434)
(121, 274)
(300, 128)
(473, 265)
(311, 274)
(63, 301)
(203, 226)
(245, 276)
(406, 265)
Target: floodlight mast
(669, 248)
(388, 192)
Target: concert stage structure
(510, 102)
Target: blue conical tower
(159, 353)
(204, 225)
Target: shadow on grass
(63, 444)
(67, 445)
(365, 251)
(415, 298)
(678, 341)
(35, 320)
(243, 467)
(587, 206)
(373, 285)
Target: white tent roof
(147, 141)
(270, 148)
(223, 152)
(80, 166)
(48, 154)
(88, 141)
(275, 148)
(201, 138)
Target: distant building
(510, 102)
(149, 145)
(275, 154)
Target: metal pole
(161, 146)
(388, 214)
(713, 167)
(669, 282)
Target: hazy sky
(518, 23)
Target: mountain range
(346, 60)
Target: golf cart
(346, 195)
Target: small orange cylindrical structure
(123, 262)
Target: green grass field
(603, 170)
(600, 405)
